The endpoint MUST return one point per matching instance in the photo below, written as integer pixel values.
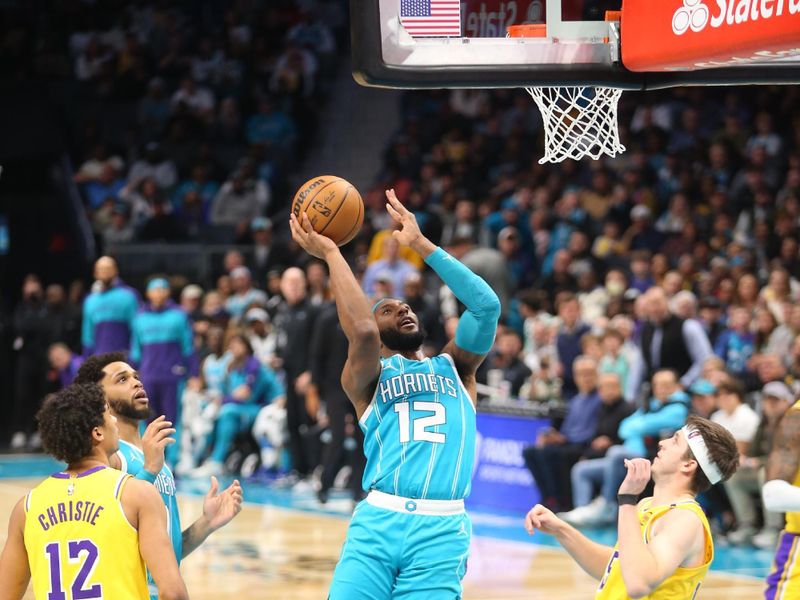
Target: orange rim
(538, 30)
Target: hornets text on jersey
(419, 430)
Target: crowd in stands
(215, 105)
(635, 291)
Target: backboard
(647, 44)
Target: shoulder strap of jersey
(121, 481)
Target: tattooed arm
(779, 494)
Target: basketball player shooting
(410, 537)
(664, 547)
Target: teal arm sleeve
(145, 475)
(478, 325)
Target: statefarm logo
(695, 15)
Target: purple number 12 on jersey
(75, 548)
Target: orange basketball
(333, 206)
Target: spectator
(271, 127)
(317, 275)
(162, 350)
(154, 107)
(32, 336)
(328, 355)
(704, 398)
(191, 296)
(247, 387)
(613, 360)
(555, 451)
(737, 343)
(294, 325)
(244, 294)
(588, 473)
(153, 166)
(505, 357)
(119, 230)
(735, 415)
(427, 311)
(64, 317)
(669, 342)
(107, 184)
(162, 225)
(391, 265)
(108, 312)
(260, 335)
(665, 412)
(519, 260)
(240, 200)
(710, 317)
(747, 482)
(568, 339)
(198, 100)
(65, 362)
(268, 253)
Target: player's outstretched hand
(409, 230)
(542, 519)
(154, 439)
(638, 476)
(312, 242)
(219, 509)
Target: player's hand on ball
(638, 476)
(542, 519)
(312, 242)
(409, 230)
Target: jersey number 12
(421, 433)
(79, 591)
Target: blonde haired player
(664, 547)
(781, 493)
(87, 532)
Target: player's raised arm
(363, 366)
(14, 570)
(782, 466)
(478, 325)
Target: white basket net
(578, 122)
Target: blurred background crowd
(635, 291)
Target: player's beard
(127, 410)
(394, 339)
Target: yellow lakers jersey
(79, 542)
(793, 518)
(683, 584)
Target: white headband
(698, 446)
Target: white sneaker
(185, 466)
(741, 536)
(766, 539)
(207, 469)
(303, 486)
(35, 442)
(18, 440)
(583, 514)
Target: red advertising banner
(670, 35)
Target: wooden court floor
(273, 553)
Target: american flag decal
(431, 18)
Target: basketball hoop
(578, 121)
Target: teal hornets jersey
(419, 430)
(132, 460)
